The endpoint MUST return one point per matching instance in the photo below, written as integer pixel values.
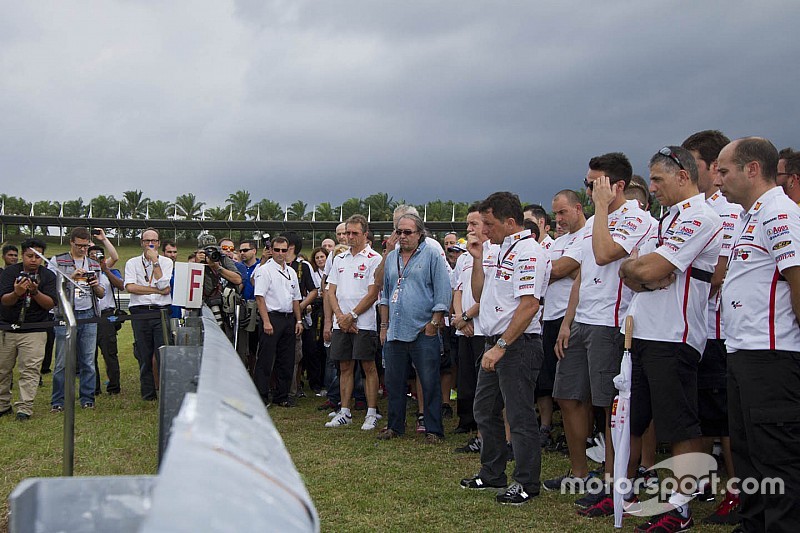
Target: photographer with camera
(107, 328)
(27, 293)
(220, 283)
(83, 295)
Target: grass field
(357, 483)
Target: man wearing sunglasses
(589, 345)
(671, 277)
(84, 296)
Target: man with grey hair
(412, 309)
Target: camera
(99, 256)
(265, 240)
(213, 254)
(95, 232)
(33, 276)
(90, 275)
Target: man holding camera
(27, 293)
(84, 293)
(147, 280)
(221, 274)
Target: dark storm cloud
(322, 101)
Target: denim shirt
(423, 290)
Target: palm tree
(218, 213)
(188, 206)
(586, 201)
(104, 206)
(380, 205)
(133, 204)
(240, 202)
(326, 212)
(297, 210)
(270, 210)
(160, 209)
(74, 208)
(353, 206)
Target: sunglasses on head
(667, 152)
(405, 232)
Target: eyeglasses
(81, 246)
(405, 232)
(588, 184)
(667, 152)
(244, 250)
(227, 248)
(280, 250)
(149, 241)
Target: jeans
(84, 349)
(511, 385)
(423, 352)
(334, 392)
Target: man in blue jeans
(416, 294)
(84, 294)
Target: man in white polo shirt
(147, 281)
(589, 344)
(352, 293)
(278, 299)
(509, 294)
(671, 279)
(760, 304)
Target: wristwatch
(354, 315)
(501, 343)
(464, 317)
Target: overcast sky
(326, 100)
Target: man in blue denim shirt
(416, 294)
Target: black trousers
(314, 358)
(107, 343)
(149, 337)
(470, 350)
(764, 419)
(276, 354)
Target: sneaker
(649, 477)
(706, 495)
(420, 423)
(545, 440)
(473, 445)
(339, 420)
(286, 403)
(567, 484)
(57, 409)
(369, 422)
(727, 512)
(604, 507)
(87, 405)
(559, 445)
(476, 482)
(632, 506)
(322, 393)
(515, 495)
(23, 417)
(333, 413)
(447, 411)
(328, 405)
(592, 498)
(669, 522)
(433, 438)
(387, 434)
(465, 429)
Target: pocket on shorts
(776, 434)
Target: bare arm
(563, 267)
(562, 341)
(792, 275)
(113, 256)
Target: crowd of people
(520, 318)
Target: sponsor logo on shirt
(728, 225)
(527, 278)
(528, 268)
(736, 304)
(781, 244)
(677, 239)
(697, 223)
(734, 216)
(527, 286)
(597, 281)
(687, 205)
(739, 253)
(362, 267)
(750, 229)
(757, 206)
(785, 255)
(783, 216)
(498, 309)
(685, 230)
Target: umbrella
(620, 424)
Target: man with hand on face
(27, 293)
(278, 298)
(84, 296)
(147, 280)
(509, 294)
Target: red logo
(783, 217)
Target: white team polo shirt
(731, 220)
(756, 301)
(547, 243)
(690, 238)
(521, 268)
(353, 275)
(464, 280)
(603, 298)
(568, 245)
(278, 286)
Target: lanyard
(147, 278)
(401, 273)
(499, 261)
(661, 221)
(281, 272)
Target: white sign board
(188, 289)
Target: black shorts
(713, 411)
(359, 346)
(664, 389)
(712, 372)
(547, 375)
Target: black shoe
(152, 398)
(545, 439)
(285, 403)
(590, 499)
(465, 429)
(23, 417)
(476, 482)
(8, 411)
(447, 411)
(515, 495)
(473, 445)
(113, 392)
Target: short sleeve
(692, 234)
(783, 239)
(631, 230)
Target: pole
(69, 376)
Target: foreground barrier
(225, 467)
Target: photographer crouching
(221, 283)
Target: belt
(492, 339)
(278, 313)
(148, 307)
(701, 275)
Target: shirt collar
(764, 198)
(683, 205)
(516, 236)
(365, 252)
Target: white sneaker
(332, 414)
(369, 422)
(339, 420)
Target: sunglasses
(405, 232)
(588, 184)
(667, 152)
(244, 250)
(227, 248)
(280, 250)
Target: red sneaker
(604, 507)
(669, 522)
(727, 512)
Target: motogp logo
(736, 304)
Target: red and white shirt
(689, 237)
(756, 301)
(568, 245)
(353, 275)
(603, 298)
(520, 269)
(464, 280)
(730, 215)
(547, 243)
